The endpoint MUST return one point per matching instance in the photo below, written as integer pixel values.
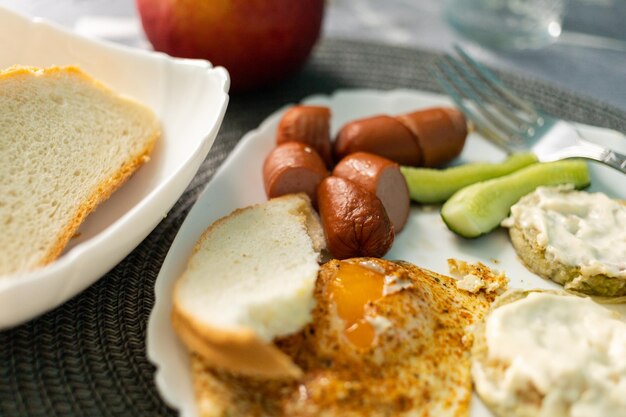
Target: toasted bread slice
(524, 240)
(66, 143)
(517, 387)
(590, 223)
(481, 364)
(250, 279)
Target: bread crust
(101, 193)
(240, 351)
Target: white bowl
(189, 98)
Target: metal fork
(511, 122)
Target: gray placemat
(88, 357)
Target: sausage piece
(382, 177)
(293, 167)
(440, 133)
(309, 125)
(354, 220)
(380, 135)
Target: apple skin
(259, 42)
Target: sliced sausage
(354, 220)
(382, 177)
(380, 135)
(309, 125)
(440, 133)
(293, 167)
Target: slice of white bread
(251, 278)
(66, 143)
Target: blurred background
(588, 56)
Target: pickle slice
(479, 208)
(428, 185)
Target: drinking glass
(516, 24)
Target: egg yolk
(351, 289)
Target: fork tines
(496, 112)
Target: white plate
(424, 241)
(189, 98)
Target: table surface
(589, 58)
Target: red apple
(259, 42)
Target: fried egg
(387, 339)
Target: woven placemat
(88, 357)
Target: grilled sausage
(309, 125)
(293, 167)
(440, 133)
(382, 177)
(430, 137)
(354, 220)
(380, 135)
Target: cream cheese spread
(576, 228)
(569, 350)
